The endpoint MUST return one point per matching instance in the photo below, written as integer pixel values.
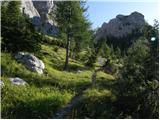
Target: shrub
(55, 48)
(17, 31)
(133, 84)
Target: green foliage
(45, 93)
(85, 54)
(96, 102)
(94, 51)
(139, 73)
(91, 59)
(17, 30)
(135, 94)
(151, 66)
(56, 49)
(73, 26)
(105, 51)
(40, 99)
(31, 102)
(131, 71)
(12, 13)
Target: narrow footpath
(66, 109)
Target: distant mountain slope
(122, 30)
(121, 26)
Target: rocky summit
(39, 11)
(121, 26)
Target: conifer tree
(71, 24)
(18, 33)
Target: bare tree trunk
(67, 53)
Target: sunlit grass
(32, 102)
(48, 92)
(97, 93)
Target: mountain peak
(121, 26)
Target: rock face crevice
(39, 11)
(121, 26)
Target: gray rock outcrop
(17, 81)
(31, 62)
(39, 12)
(28, 8)
(79, 71)
(101, 61)
(1, 83)
(121, 26)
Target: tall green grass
(48, 92)
(32, 102)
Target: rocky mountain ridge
(121, 26)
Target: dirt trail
(66, 109)
(63, 111)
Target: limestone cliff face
(121, 26)
(28, 8)
(39, 12)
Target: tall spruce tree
(83, 33)
(71, 23)
(18, 33)
(13, 13)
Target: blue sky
(103, 11)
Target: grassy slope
(97, 102)
(45, 93)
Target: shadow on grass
(96, 107)
(105, 84)
(58, 64)
(35, 109)
(72, 85)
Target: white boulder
(31, 62)
(1, 83)
(79, 71)
(17, 81)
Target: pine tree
(83, 34)
(18, 33)
(151, 65)
(138, 79)
(13, 13)
(71, 24)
